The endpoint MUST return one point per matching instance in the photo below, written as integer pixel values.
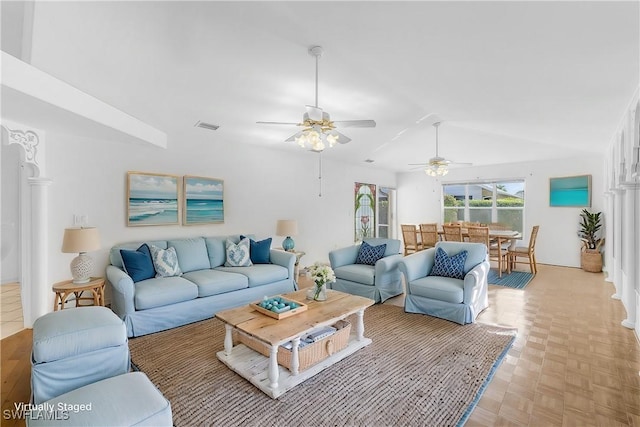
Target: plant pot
(591, 260)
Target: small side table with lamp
(80, 240)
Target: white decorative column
(629, 252)
(617, 242)
(35, 287)
(40, 286)
(608, 253)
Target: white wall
(261, 186)
(419, 200)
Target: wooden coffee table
(265, 373)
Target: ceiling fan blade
(417, 164)
(342, 139)
(314, 113)
(461, 163)
(294, 136)
(279, 123)
(355, 123)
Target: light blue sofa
(378, 282)
(453, 299)
(205, 287)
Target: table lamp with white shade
(288, 228)
(81, 240)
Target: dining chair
(504, 244)
(496, 252)
(452, 233)
(525, 251)
(429, 235)
(410, 238)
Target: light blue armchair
(458, 300)
(378, 282)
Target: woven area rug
(516, 279)
(419, 370)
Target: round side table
(64, 290)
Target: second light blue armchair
(437, 293)
(379, 281)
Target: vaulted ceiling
(511, 81)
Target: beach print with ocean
(204, 200)
(153, 199)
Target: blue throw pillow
(369, 255)
(449, 266)
(260, 252)
(138, 263)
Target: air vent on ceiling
(204, 125)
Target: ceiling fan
(318, 128)
(437, 166)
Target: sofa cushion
(238, 255)
(259, 252)
(216, 250)
(438, 288)
(369, 255)
(192, 254)
(259, 274)
(360, 273)
(138, 264)
(213, 282)
(448, 266)
(162, 291)
(165, 261)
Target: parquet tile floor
(572, 363)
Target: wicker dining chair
(429, 235)
(496, 252)
(452, 233)
(410, 238)
(525, 251)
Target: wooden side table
(64, 290)
(296, 268)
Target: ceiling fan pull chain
(320, 174)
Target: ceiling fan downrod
(437, 125)
(316, 51)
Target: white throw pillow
(238, 255)
(165, 261)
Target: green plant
(589, 227)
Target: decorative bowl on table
(279, 307)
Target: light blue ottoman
(126, 400)
(76, 347)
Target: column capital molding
(31, 141)
(630, 185)
(39, 181)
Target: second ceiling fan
(318, 128)
(437, 166)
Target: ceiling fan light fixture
(436, 170)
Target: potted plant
(590, 257)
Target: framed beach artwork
(570, 191)
(152, 199)
(203, 200)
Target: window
(385, 212)
(485, 202)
